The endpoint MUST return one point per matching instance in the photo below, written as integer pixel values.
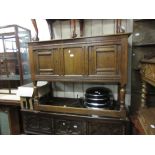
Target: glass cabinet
(14, 64)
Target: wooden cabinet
(101, 59)
(94, 59)
(69, 126)
(55, 123)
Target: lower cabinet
(64, 124)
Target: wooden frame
(119, 41)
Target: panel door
(47, 62)
(74, 59)
(104, 60)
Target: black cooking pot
(98, 97)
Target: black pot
(98, 97)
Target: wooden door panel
(74, 61)
(47, 62)
(103, 60)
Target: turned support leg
(36, 98)
(31, 104)
(143, 94)
(122, 98)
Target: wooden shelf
(143, 45)
(74, 106)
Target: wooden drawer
(37, 124)
(69, 127)
(106, 128)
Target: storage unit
(101, 59)
(14, 65)
(36, 122)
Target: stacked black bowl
(98, 97)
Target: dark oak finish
(47, 62)
(92, 59)
(36, 122)
(73, 61)
(82, 111)
(87, 57)
(103, 60)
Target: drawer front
(106, 128)
(31, 122)
(45, 125)
(38, 124)
(69, 127)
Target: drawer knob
(75, 126)
(63, 123)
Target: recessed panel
(105, 60)
(73, 61)
(45, 62)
